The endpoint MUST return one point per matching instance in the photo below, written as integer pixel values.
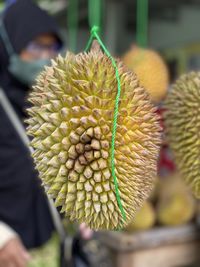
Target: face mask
(24, 71)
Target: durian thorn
(95, 47)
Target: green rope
(94, 35)
(142, 23)
(72, 22)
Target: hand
(85, 231)
(13, 254)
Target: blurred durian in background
(144, 219)
(150, 69)
(182, 124)
(176, 204)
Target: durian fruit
(150, 69)
(71, 124)
(176, 205)
(182, 126)
(144, 219)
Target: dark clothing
(23, 205)
(24, 21)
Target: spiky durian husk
(150, 69)
(182, 124)
(71, 122)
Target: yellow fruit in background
(177, 209)
(144, 219)
(182, 127)
(150, 69)
(71, 122)
(176, 204)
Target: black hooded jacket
(23, 205)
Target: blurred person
(29, 38)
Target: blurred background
(172, 28)
(165, 232)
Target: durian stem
(95, 46)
